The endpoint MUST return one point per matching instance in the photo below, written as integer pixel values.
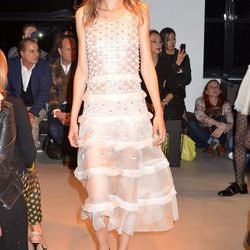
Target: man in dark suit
(29, 78)
(62, 70)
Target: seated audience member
(214, 119)
(173, 106)
(54, 54)
(61, 95)
(178, 59)
(13, 211)
(242, 139)
(29, 78)
(28, 30)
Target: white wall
(186, 17)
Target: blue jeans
(59, 133)
(201, 135)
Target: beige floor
(207, 222)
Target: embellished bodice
(113, 55)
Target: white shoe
(231, 155)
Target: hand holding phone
(183, 48)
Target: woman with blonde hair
(13, 212)
(128, 180)
(25, 155)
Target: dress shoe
(221, 149)
(233, 189)
(210, 151)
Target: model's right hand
(73, 135)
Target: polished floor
(207, 222)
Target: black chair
(174, 130)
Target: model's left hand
(159, 130)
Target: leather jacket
(10, 183)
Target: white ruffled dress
(126, 177)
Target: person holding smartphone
(180, 63)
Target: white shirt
(65, 67)
(26, 74)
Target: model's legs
(123, 242)
(247, 138)
(242, 139)
(102, 236)
(240, 151)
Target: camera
(183, 47)
(36, 35)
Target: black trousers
(14, 225)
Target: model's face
(30, 55)
(68, 51)
(213, 89)
(170, 41)
(28, 31)
(156, 44)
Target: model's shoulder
(79, 13)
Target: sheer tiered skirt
(127, 178)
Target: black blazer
(40, 81)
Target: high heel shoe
(37, 239)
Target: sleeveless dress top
(127, 178)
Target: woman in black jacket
(173, 106)
(180, 64)
(13, 212)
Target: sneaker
(231, 155)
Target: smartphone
(183, 47)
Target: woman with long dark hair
(214, 119)
(128, 181)
(180, 63)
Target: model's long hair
(3, 72)
(91, 9)
(221, 98)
